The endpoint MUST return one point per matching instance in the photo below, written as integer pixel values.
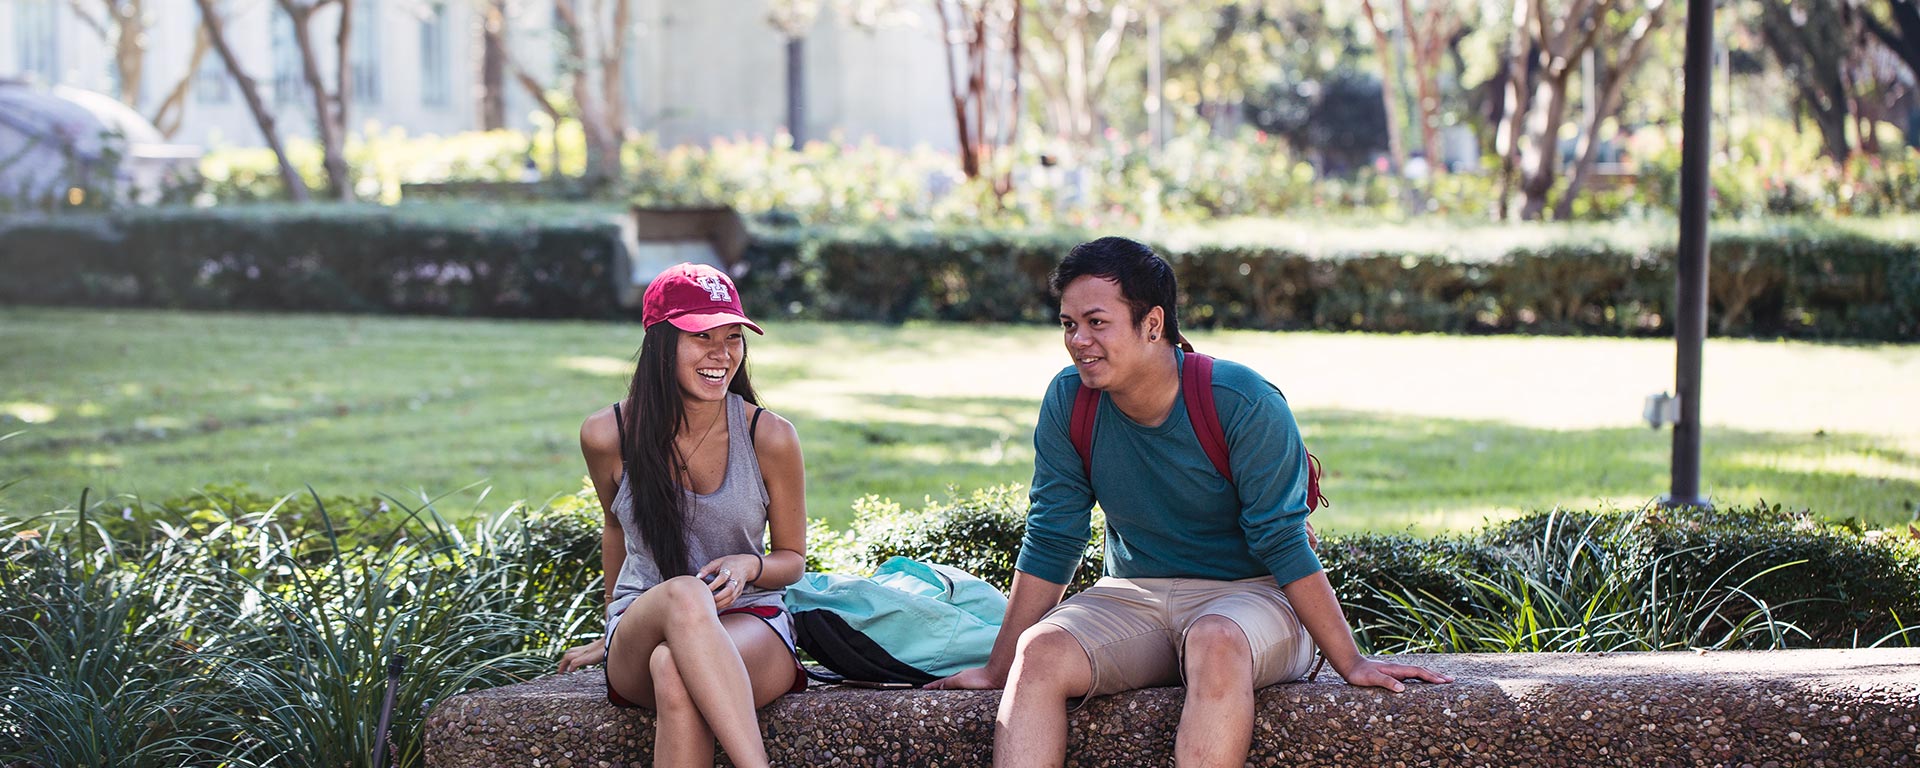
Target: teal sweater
(1169, 513)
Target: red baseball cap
(695, 298)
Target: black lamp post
(1690, 322)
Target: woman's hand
(730, 575)
(581, 656)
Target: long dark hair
(1146, 280)
(654, 415)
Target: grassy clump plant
(1608, 580)
(246, 643)
(222, 630)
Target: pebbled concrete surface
(1763, 709)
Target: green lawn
(1428, 432)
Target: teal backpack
(909, 624)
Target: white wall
(699, 70)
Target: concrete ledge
(1763, 708)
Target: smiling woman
(692, 476)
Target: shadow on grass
(1386, 472)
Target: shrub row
(492, 261)
(1805, 282)
(530, 261)
(1752, 577)
(262, 627)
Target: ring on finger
(733, 582)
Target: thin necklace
(704, 434)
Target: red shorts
(765, 613)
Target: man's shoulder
(1240, 381)
(1065, 383)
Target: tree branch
(99, 27)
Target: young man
(1209, 582)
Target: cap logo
(716, 287)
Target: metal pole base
(1669, 502)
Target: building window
(434, 85)
(365, 53)
(35, 38)
(289, 80)
(211, 85)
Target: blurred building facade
(694, 71)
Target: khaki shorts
(1134, 630)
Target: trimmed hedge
(480, 260)
(1838, 587)
(530, 261)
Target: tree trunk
(1156, 80)
(1518, 89)
(1608, 104)
(1813, 48)
(1428, 39)
(1580, 26)
(534, 89)
(1071, 62)
(986, 101)
(1906, 42)
(333, 160)
(1010, 126)
(250, 91)
(493, 66)
(1540, 153)
(130, 49)
(969, 153)
(797, 90)
(342, 99)
(596, 124)
(1389, 88)
(613, 77)
(173, 108)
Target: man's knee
(1217, 652)
(1048, 655)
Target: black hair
(654, 415)
(1145, 280)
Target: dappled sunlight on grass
(1846, 463)
(31, 413)
(99, 460)
(1422, 522)
(1429, 432)
(598, 366)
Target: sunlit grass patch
(1428, 433)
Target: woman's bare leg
(728, 667)
(680, 735)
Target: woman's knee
(687, 599)
(668, 688)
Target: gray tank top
(732, 520)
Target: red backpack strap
(1086, 405)
(1315, 499)
(1196, 386)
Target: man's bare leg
(1216, 726)
(1049, 667)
